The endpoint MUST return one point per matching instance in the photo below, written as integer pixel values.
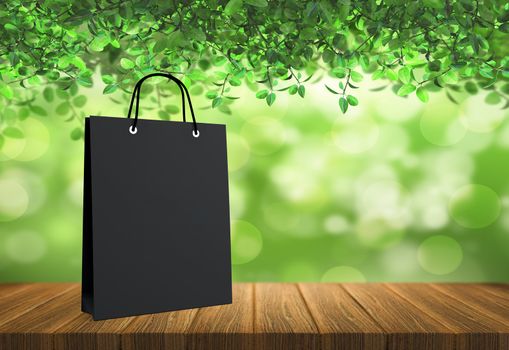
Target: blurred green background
(395, 190)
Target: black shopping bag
(156, 231)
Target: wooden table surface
(270, 316)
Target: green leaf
(235, 81)
(109, 89)
(355, 76)
(79, 101)
(504, 27)
(262, 94)
(391, 75)
(352, 101)
(108, 79)
(10, 27)
(161, 44)
(38, 110)
(451, 98)
(76, 134)
(99, 42)
(63, 108)
(217, 101)
(332, 90)
(471, 87)
(450, 77)
(211, 95)
(406, 89)
(404, 75)
(436, 4)
(302, 91)
(293, 89)
(164, 115)
(6, 90)
(233, 7)
(78, 63)
(339, 72)
(84, 81)
(256, 3)
(343, 104)
(271, 98)
(13, 132)
(48, 94)
(492, 98)
(2, 141)
(126, 63)
(422, 94)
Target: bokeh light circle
(25, 247)
(37, 140)
(481, 117)
(238, 152)
(237, 200)
(355, 135)
(11, 148)
(474, 206)
(246, 242)
(393, 108)
(75, 192)
(440, 125)
(336, 224)
(393, 142)
(401, 260)
(440, 255)
(14, 199)
(280, 216)
(379, 232)
(343, 274)
(264, 135)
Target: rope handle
(182, 87)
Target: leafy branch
(418, 47)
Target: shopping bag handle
(182, 87)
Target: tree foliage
(273, 47)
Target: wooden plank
(282, 319)
(11, 288)
(491, 305)
(342, 323)
(26, 299)
(83, 333)
(406, 326)
(489, 309)
(32, 330)
(460, 317)
(226, 326)
(157, 331)
(498, 289)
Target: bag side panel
(87, 270)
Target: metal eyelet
(197, 134)
(133, 130)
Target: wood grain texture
(463, 319)
(10, 288)
(226, 326)
(407, 326)
(341, 322)
(83, 333)
(24, 300)
(282, 318)
(33, 328)
(158, 331)
(491, 310)
(270, 316)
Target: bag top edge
(155, 120)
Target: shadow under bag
(156, 226)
